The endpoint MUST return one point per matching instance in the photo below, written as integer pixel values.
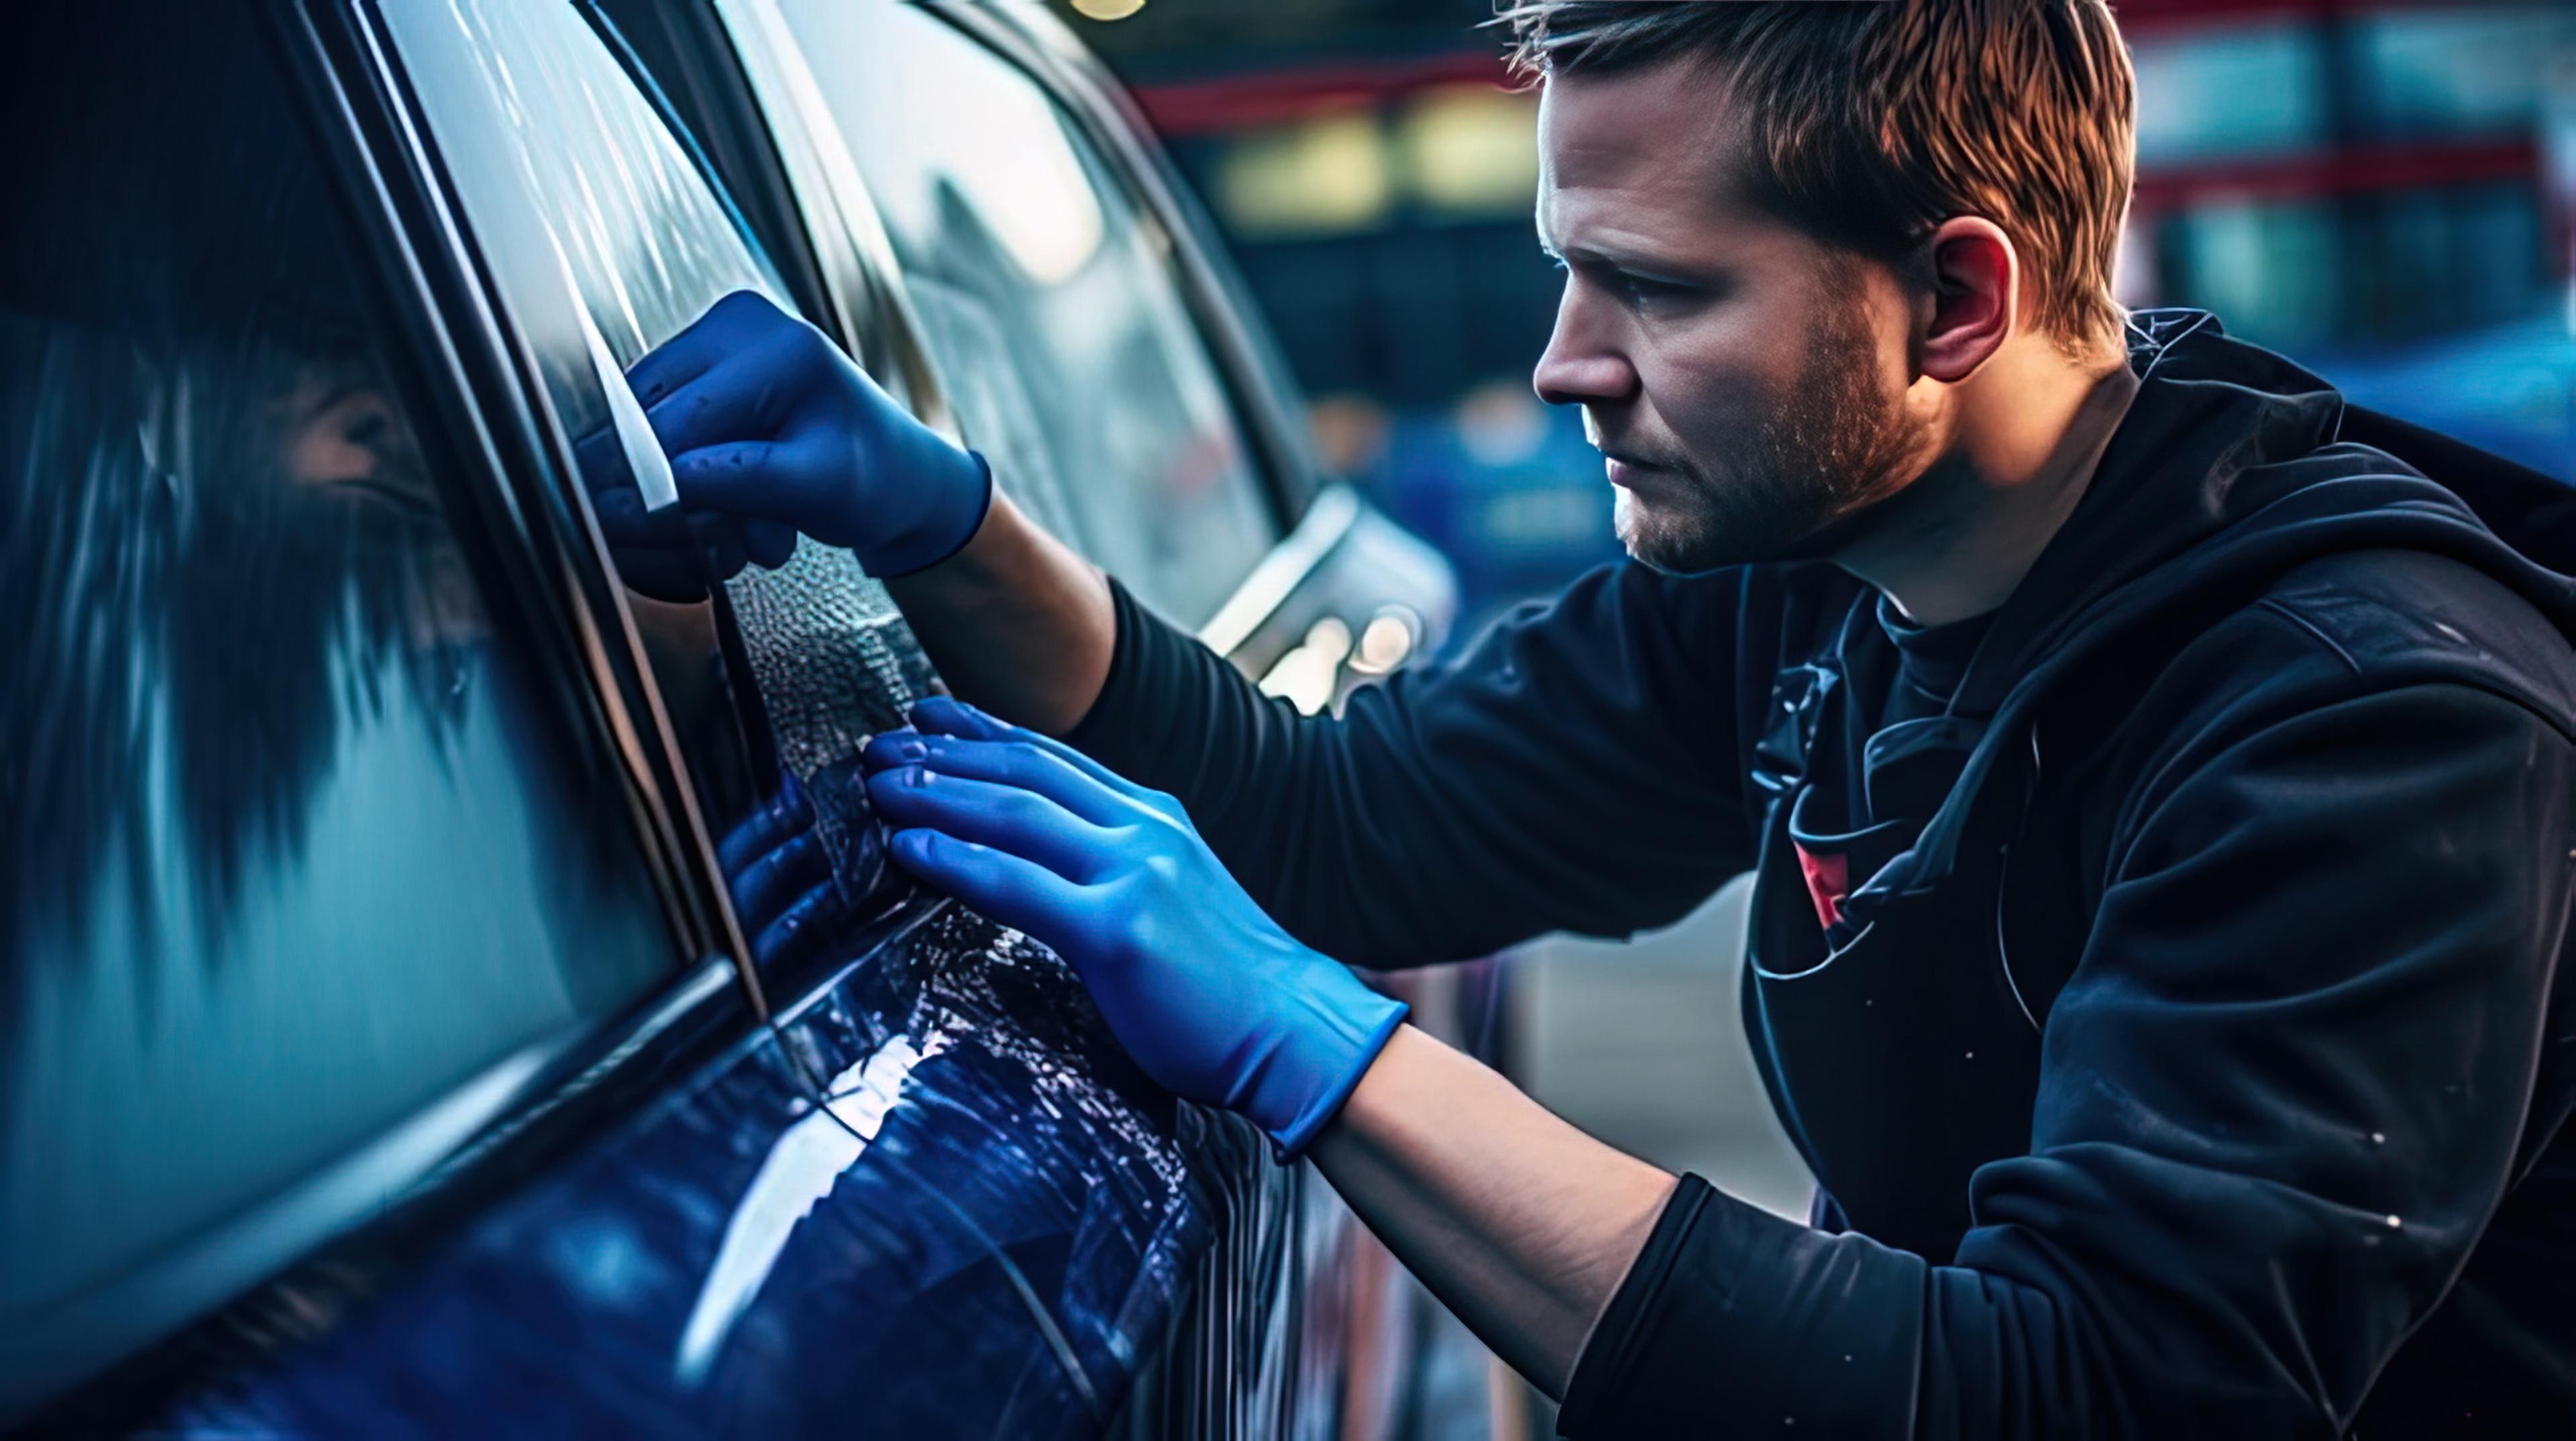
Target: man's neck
(2028, 433)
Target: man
(2160, 803)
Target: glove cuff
(942, 534)
(1343, 1043)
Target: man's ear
(1975, 299)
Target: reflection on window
(291, 850)
(1049, 303)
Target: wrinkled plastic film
(835, 664)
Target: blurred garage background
(2385, 190)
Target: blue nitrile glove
(1206, 992)
(780, 878)
(768, 425)
(672, 556)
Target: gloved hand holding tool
(771, 430)
(1206, 992)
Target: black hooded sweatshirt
(2157, 974)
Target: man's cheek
(1713, 415)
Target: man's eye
(1640, 290)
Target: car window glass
(1047, 298)
(295, 844)
(547, 133)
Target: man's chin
(1683, 556)
(1664, 561)
(1698, 544)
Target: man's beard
(1836, 445)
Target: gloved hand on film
(783, 891)
(1205, 991)
(770, 429)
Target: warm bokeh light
(1387, 642)
(1317, 176)
(1308, 675)
(1470, 149)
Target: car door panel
(631, 1291)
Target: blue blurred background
(2386, 191)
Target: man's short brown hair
(1873, 121)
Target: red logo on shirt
(1828, 882)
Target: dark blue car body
(989, 1240)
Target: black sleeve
(2278, 1103)
(1574, 769)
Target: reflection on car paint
(1070, 1163)
(982, 1231)
(802, 1165)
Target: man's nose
(1580, 365)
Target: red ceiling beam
(2308, 174)
(2138, 17)
(1199, 107)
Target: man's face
(1744, 381)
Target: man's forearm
(1016, 622)
(1521, 1224)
